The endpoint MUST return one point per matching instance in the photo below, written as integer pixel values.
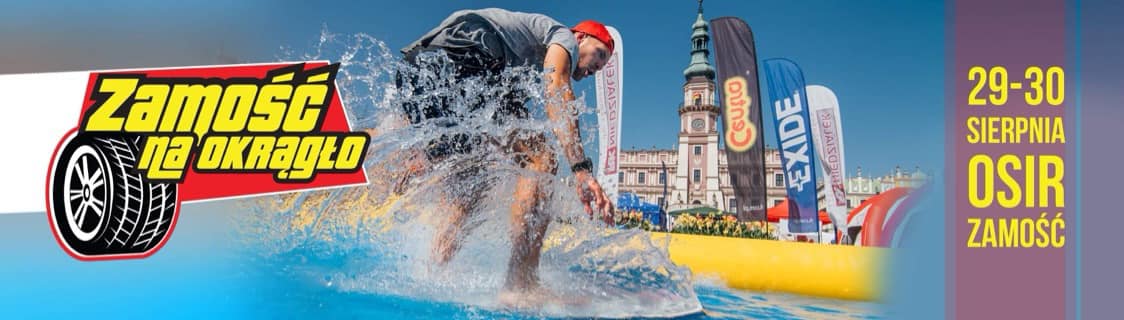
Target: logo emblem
(149, 139)
(741, 133)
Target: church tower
(696, 180)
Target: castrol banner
(741, 124)
(609, 97)
(794, 136)
(827, 134)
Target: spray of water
(379, 238)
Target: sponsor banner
(736, 59)
(794, 136)
(827, 133)
(609, 97)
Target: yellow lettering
(1051, 181)
(146, 110)
(234, 109)
(102, 118)
(975, 222)
(974, 165)
(185, 103)
(304, 110)
(164, 157)
(269, 109)
(1009, 199)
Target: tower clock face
(697, 124)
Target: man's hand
(593, 197)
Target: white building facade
(642, 173)
(696, 173)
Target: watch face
(697, 124)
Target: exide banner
(794, 135)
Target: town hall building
(696, 173)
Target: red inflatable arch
(874, 221)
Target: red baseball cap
(597, 30)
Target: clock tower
(696, 178)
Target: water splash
(378, 238)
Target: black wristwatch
(584, 165)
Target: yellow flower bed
(709, 225)
(633, 219)
(724, 225)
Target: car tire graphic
(101, 205)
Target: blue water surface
(206, 271)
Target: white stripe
(893, 209)
(37, 111)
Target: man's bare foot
(530, 298)
(536, 298)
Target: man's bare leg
(461, 194)
(451, 233)
(528, 225)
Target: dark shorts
(466, 63)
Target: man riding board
(481, 44)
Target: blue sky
(884, 59)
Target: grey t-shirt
(516, 38)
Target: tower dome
(700, 39)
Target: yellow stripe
(320, 77)
(283, 77)
(832, 271)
